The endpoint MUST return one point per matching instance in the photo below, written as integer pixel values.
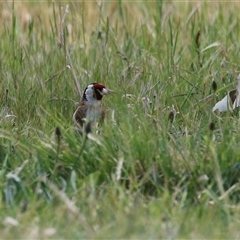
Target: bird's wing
(80, 115)
(102, 115)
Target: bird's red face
(99, 90)
(95, 91)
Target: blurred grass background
(164, 166)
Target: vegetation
(164, 166)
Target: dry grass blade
(19, 169)
(136, 77)
(57, 74)
(119, 169)
(70, 206)
(61, 23)
(123, 57)
(62, 44)
(234, 187)
(77, 85)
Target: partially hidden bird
(90, 108)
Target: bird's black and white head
(94, 92)
(90, 107)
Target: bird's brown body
(90, 108)
(85, 112)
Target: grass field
(164, 166)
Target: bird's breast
(94, 112)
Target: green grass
(143, 177)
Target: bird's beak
(105, 91)
(110, 91)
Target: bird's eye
(99, 91)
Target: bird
(230, 101)
(90, 109)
